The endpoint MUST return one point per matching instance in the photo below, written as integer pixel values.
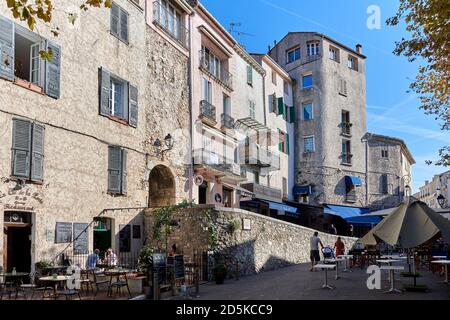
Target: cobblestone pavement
(298, 283)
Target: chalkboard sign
(81, 238)
(63, 232)
(177, 263)
(159, 264)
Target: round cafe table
(118, 283)
(16, 280)
(345, 258)
(56, 280)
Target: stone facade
(267, 244)
(74, 187)
(431, 190)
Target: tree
(428, 23)
(32, 11)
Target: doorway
(103, 234)
(17, 241)
(161, 187)
(227, 197)
(202, 192)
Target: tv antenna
(237, 32)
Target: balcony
(169, 24)
(346, 159)
(220, 74)
(346, 129)
(263, 192)
(227, 121)
(260, 157)
(208, 113)
(218, 164)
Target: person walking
(339, 247)
(314, 254)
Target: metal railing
(346, 158)
(260, 190)
(207, 110)
(217, 161)
(168, 22)
(260, 156)
(219, 74)
(346, 128)
(227, 121)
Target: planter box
(136, 285)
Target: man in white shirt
(315, 255)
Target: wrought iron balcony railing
(346, 128)
(207, 110)
(346, 158)
(170, 24)
(227, 121)
(220, 74)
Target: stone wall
(267, 245)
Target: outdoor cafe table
(445, 263)
(345, 257)
(16, 277)
(56, 280)
(117, 273)
(392, 256)
(389, 262)
(325, 267)
(439, 257)
(336, 262)
(392, 269)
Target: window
(20, 60)
(213, 64)
(286, 87)
(256, 174)
(312, 49)
(273, 103)
(384, 184)
(249, 75)
(170, 19)
(125, 238)
(293, 55)
(283, 146)
(226, 105)
(308, 144)
(346, 152)
(308, 111)
(118, 98)
(307, 81)
(345, 123)
(343, 87)
(27, 150)
(136, 231)
(119, 22)
(251, 106)
(334, 54)
(352, 63)
(384, 151)
(207, 91)
(274, 77)
(117, 170)
(284, 187)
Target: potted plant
(220, 272)
(145, 266)
(40, 266)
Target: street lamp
(441, 200)
(168, 141)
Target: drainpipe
(191, 102)
(367, 169)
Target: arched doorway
(161, 187)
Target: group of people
(93, 260)
(339, 248)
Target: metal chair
(98, 282)
(34, 286)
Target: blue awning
(363, 219)
(353, 181)
(302, 190)
(282, 207)
(344, 212)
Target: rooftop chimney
(359, 48)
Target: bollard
(155, 285)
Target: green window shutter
(114, 169)
(21, 146)
(124, 172)
(280, 106)
(249, 75)
(285, 112)
(287, 144)
(280, 145)
(133, 106)
(292, 114)
(104, 82)
(53, 71)
(6, 49)
(37, 155)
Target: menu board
(159, 265)
(81, 238)
(63, 232)
(179, 266)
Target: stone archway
(161, 187)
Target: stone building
(389, 171)
(439, 186)
(84, 135)
(330, 98)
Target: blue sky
(391, 110)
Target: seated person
(93, 259)
(111, 258)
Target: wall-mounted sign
(63, 232)
(246, 224)
(198, 180)
(81, 238)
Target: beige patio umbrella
(408, 226)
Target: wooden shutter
(115, 18)
(21, 148)
(280, 106)
(249, 74)
(6, 49)
(133, 106)
(104, 81)
(53, 71)
(287, 143)
(124, 172)
(123, 25)
(37, 153)
(292, 114)
(114, 169)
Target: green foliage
(234, 226)
(427, 21)
(43, 264)
(146, 258)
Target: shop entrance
(17, 241)
(103, 234)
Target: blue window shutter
(21, 146)
(115, 19)
(104, 82)
(114, 169)
(133, 106)
(53, 71)
(37, 155)
(123, 25)
(6, 49)
(124, 172)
